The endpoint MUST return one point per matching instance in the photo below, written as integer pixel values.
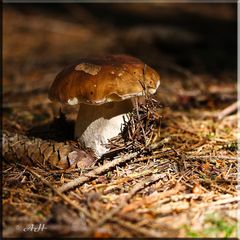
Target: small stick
(222, 201)
(144, 134)
(93, 174)
(211, 157)
(227, 111)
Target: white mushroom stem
(97, 123)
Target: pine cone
(35, 151)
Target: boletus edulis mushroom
(106, 88)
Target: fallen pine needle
(139, 186)
(93, 174)
(64, 197)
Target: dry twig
(95, 172)
(228, 110)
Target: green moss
(219, 225)
(231, 146)
(190, 232)
(211, 136)
(214, 226)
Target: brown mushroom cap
(103, 79)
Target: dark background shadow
(201, 37)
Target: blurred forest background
(194, 48)
(177, 38)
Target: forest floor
(184, 183)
